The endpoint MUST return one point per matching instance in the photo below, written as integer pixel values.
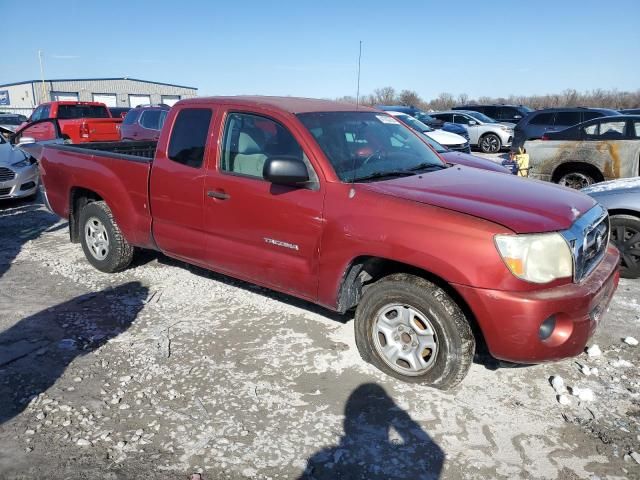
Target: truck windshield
(368, 145)
(67, 112)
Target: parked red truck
(79, 122)
(347, 208)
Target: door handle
(218, 194)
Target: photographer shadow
(380, 441)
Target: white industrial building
(23, 97)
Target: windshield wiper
(428, 167)
(389, 173)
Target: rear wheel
(490, 143)
(412, 330)
(576, 180)
(625, 234)
(102, 241)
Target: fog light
(27, 186)
(547, 327)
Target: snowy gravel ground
(165, 370)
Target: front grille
(589, 239)
(6, 174)
(5, 191)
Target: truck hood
(522, 205)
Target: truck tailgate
(103, 129)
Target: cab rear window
(68, 112)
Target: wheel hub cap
(405, 340)
(97, 239)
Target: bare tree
(614, 99)
(410, 98)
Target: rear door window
(151, 119)
(636, 128)
(131, 117)
(542, 119)
(189, 136)
(490, 112)
(567, 119)
(606, 130)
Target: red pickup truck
(79, 122)
(346, 207)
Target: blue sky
(310, 49)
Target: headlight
(22, 163)
(505, 128)
(537, 258)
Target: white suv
(484, 132)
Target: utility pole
(44, 90)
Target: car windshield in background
(67, 112)
(423, 117)
(414, 123)
(367, 145)
(481, 116)
(526, 109)
(10, 120)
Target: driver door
(265, 233)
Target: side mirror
(285, 171)
(25, 141)
(472, 122)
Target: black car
(552, 119)
(501, 113)
(119, 112)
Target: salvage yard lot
(166, 369)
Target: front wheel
(625, 234)
(413, 330)
(490, 143)
(102, 241)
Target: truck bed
(135, 151)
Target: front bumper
(23, 185)
(510, 321)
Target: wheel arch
(365, 270)
(576, 165)
(78, 198)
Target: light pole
(44, 91)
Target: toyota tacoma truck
(348, 208)
(79, 122)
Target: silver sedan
(18, 172)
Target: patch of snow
(630, 341)
(583, 394)
(557, 382)
(594, 351)
(564, 399)
(620, 363)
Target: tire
(101, 239)
(440, 334)
(490, 143)
(625, 234)
(576, 179)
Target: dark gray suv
(501, 113)
(534, 125)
